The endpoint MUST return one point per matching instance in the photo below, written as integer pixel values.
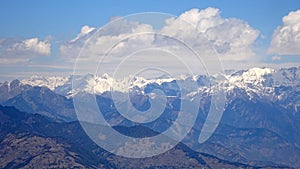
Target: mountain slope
(43, 101)
(11, 89)
(33, 141)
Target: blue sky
(64, 18)
(61, 20)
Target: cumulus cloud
(31, 45)
(286, 38)
(205, 31)
(12, 50)
(232, 38)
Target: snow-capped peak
(49, 82)
(253, 76)
(261, 81)
(259, 72)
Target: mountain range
(259, 125)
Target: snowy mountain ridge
(259, 81)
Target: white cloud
(202, 19)
(32, 45)
(201, 30)
(232, 38)
(13, 51)
(85, 30)
(286, 38)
